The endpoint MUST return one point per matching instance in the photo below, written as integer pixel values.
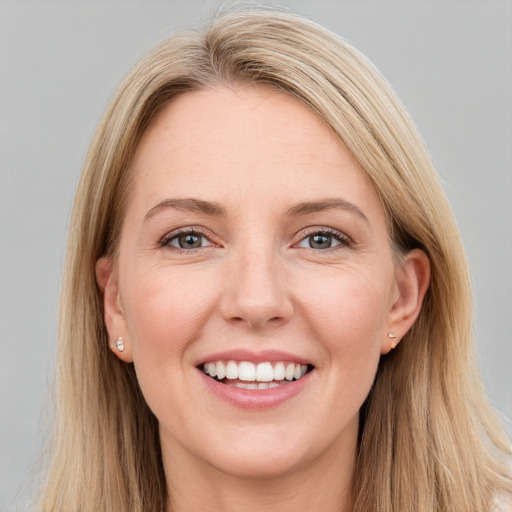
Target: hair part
(429, 441)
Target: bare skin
(251, 234)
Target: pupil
(319, 241)
(189, 241)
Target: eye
(322, 240)
(186, 240)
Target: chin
(260, 465)
(263, 453)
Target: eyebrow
(188, 205)
(326, 204)
(215, 209)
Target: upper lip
(253, 356)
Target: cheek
(164, 311)
(351, 302)
(349, 316)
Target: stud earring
(392, 336)
(119, 344)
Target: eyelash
(198, 231)
(343, 240)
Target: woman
(266, 303)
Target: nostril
(257, 322)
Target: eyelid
(343, 239)
(198, 230)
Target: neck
(323, 484)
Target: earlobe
(412, 281)
(114, 317)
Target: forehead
(254, 141)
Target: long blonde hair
(428, 440)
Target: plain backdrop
(449, 60)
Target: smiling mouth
(248, 375)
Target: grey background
(450, 62)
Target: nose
(256, 292)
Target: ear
(412, 279)
(107, 279)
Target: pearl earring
(119, 344)
(393, 337)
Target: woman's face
(253, 245)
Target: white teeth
(246, 385)
(279, 371)
(290, 370)
(264, 372)
(246, 371)
(220, 370)
(256, 385)
(232, 370)
(270, 374)
(212, 370)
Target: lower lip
(255, 398)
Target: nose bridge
(256, 288)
